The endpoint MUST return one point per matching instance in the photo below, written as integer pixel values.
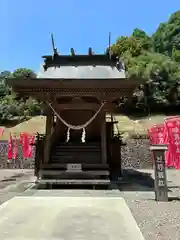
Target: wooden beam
(47, 145)
(99, 95)
(83, 106)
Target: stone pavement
(14, 182)
(67, 218)
(9, 173)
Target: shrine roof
(82, 67)
(81, 72)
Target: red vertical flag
(10, 148)
(25, 145)
(21, 138)
(30, 145)
(173, 129)
(158, 135)
(15, 148)
(1, 131)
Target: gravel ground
(157, 220)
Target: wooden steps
(84, 166)
(76, 153)
(85, 155)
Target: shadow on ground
(134, 180)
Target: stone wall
(20, 162)
(135, 154)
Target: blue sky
(26, 26)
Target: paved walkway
(67, 218)
(6, 174)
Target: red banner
(27, 140)
(158, 135)
(21, 138)
(31, 140)
(1, 131)
(15, 148)
(10, 147)
(24, 142)
(173, 130)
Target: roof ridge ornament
(55, 52)
(72, 52)
(90, 53)
(109, 47)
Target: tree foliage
(156, 60)
(166, 39)
(23, 73)
(12, 107)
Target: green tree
(153, 59)
(23, 73)
(12, 107)
(167, 36)
(176, 54)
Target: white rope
(78, 127)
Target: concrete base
(67, 218)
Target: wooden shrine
(78, 91)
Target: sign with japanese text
(158, 135)
(161, 190)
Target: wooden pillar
(109, 138)
(103, 139)
(49, 125)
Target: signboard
(161, 190)
(74, 167)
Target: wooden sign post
(161, 189)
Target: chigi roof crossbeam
(73, 59)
